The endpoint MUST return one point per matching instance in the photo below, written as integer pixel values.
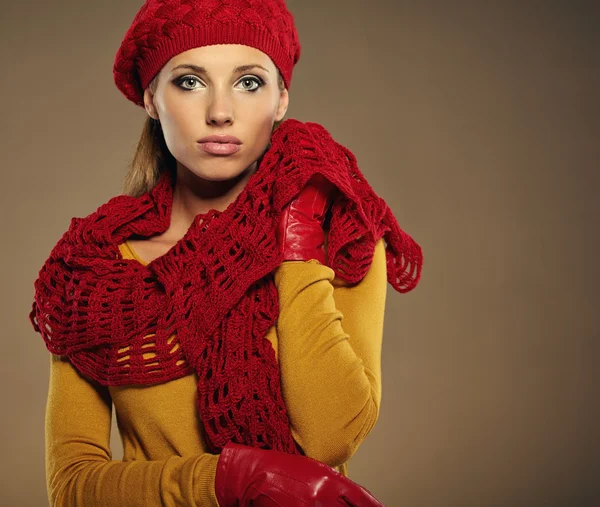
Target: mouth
(225, 139)
(219, 148)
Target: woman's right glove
(300, 233)
(265, 478)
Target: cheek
(261, 133)
(178, 116)
(263, 117)
(178, 124)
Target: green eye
(183, 81)
(252, 79)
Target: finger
(271, 491)
(360, 497)
(344, 501)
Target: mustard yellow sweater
(327, 340)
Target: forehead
(221, 57)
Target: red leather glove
(300, 233)
(249, 476)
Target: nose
(220, 109)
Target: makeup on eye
(189, 77)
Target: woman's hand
(300, 231)
(263, 478)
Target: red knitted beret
(164, 28)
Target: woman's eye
(246, 82)
(259, 82)
(186, 79)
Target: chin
(219, 172)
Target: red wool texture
(162, 29)
(214, 290)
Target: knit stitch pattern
(162, 29)
(214, 289)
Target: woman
(230, 304)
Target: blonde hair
(152, 156)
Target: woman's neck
(193, 195)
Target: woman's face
(202, 92)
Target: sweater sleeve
(329, 351)
(79, 468)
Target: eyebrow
(199, 69)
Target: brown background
(477, 122)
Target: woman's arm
(79, 469)
(329, 352)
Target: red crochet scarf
(214, 289)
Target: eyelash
(180, 80)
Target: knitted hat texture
(164, 28)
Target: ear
(149, 104)
(284, 101)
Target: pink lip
(220, 148)
(220, 139)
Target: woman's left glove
(300, 231)
(249, 476)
